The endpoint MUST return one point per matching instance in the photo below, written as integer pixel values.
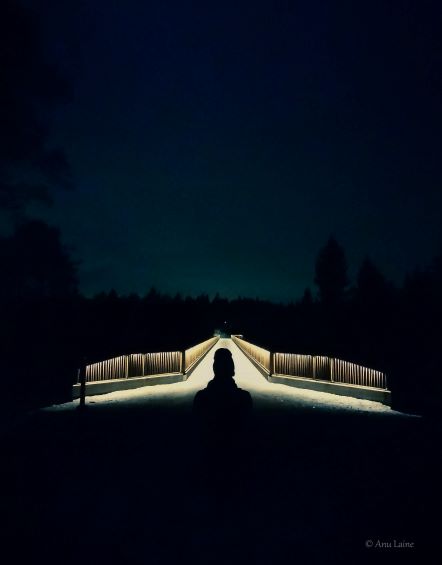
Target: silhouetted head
(223, 366)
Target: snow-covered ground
(246, 377)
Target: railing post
(272, 364)
(332, 369)
(183, 362)
(82, 374)
(127, 366)
(314, 367)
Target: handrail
(195, 353)
(356, 374)
(115, 368)
(147, 364)
(258, 354)
(134, 365)
(312, 367)
(301, 365)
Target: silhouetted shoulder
(245, 398)
(200, 401)
(199, 396)
(222, 403)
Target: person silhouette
(222, 411)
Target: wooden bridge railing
(312, 367)
(147, 364)
(194, 354)
(258, 354)
(135, 365)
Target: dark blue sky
(216, 146)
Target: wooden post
(314, 367)
(332, 369)
(183, 362)
(127, 367)
(82, 405)
(272, 364)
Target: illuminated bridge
(310, 379)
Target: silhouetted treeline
(48, 330)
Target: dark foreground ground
(119, 485)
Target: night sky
(216, 146)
